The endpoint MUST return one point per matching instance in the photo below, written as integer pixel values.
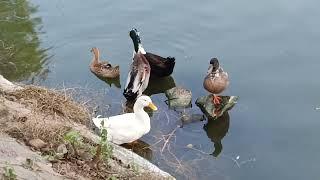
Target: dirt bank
(39, 119)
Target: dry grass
(35, 128)
(53, 103)
(39, 113)
(52, 114)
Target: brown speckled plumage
(216, 79)
(103, 69)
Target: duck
(138, 76)
(160, 66)
(216, 80)
(103, 69)
(128, 127)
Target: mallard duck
(126, 128)
(160, 66)
(138, 76)
(216, 80)
(102, 69)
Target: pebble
(189, 146)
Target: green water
(269, 48)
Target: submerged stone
(179, 97)
(207, 107)
(187, 118)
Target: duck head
(144, 101)
(214, 65)
(134, 35)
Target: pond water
(269, 48)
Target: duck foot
(216, 100)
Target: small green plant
(75, 139)
(113, 178)
(103, 149)
(9, 173)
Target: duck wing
(120, 128)
(138, 77)
(160, 66)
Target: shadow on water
(159, 85)
(216, 130)
(20, 52)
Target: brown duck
(102, 69)
(216, 80)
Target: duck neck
(141, 115)
(137, 43)
(96, 55)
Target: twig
(168, 139)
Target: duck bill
(152, 106)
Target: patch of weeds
(113, 178)
(104, 150)
(9, 173)
(51, 157)
(75, 139)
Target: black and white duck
(139, 74)
(160, 66)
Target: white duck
(126, 128)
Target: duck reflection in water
(110, 81)
(159, 85)
(216, 130)
(141, 148)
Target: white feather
(126, 128)
(141, 49)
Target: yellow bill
(152, 106)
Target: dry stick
(199, 150)
(168, 139)
(175, 157)
(166, 117)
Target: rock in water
(179, 97)
(207, 107)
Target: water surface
(269, 48)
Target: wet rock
(207, 107)
(61, 151)
(179, 97)
(189, 118)
(37, 144)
